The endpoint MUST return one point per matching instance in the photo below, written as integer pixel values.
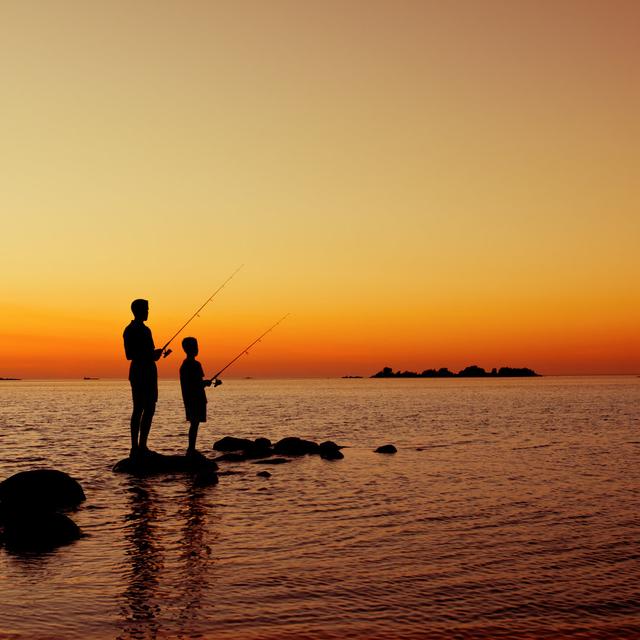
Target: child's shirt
(192, 383)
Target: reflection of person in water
(141, 610)
(143, 375)
(197, 560)
(147, 609)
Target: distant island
(10, 378)
(473, 371)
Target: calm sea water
(509, 511)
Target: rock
(152, 463)
(272, 461)
(39, 531)
(387, 448)
(295, 447)
(330, 451)
(40, 490)
(263, 474)
(258, 448)
(229, 443)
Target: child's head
(190, 346)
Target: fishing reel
(166, 353)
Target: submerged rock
(38, 531)
(272, 461)
(153, 463)
(386, 448)
(205, 478)
(263, 474)
(231, 457)
(41, 490)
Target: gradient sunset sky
(421, 184)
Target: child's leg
(193, 435)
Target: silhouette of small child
(193, 385)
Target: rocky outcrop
(241, 449)
(472, 371)
(38, 531)
(31, 506)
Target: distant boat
(88, 378)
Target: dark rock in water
(263, 474)
(40, 490)
(152, 463)
(229, 443)
(272, 461)
(261, 448)
(387, 448)
(330, 451)
(29, 506)
(258, 448)
(38, 531)
(295, 447)
(262, 443)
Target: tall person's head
(140, 309)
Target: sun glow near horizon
(420, 185)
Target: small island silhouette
(472, 371)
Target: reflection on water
(195, 557)
(145, 554)
(146, 610)
(510, 510)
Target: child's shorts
(197, 412)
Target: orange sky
(421, 184)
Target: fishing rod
(177, 333)
(246, 350)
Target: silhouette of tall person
(143, 375)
